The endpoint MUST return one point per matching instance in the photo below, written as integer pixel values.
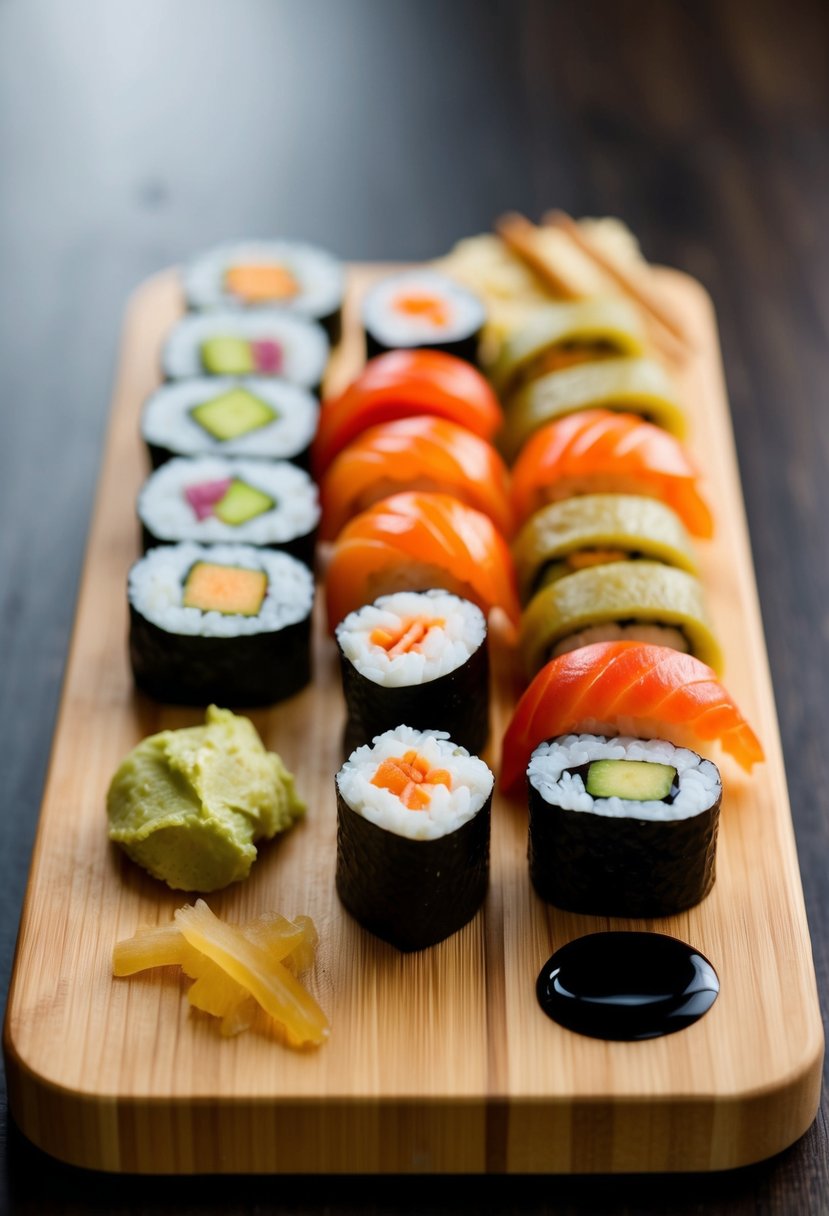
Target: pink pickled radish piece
(267, 356)
(204, 496)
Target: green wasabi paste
(188, 805)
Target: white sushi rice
(448, 809)
(164, 509)
(167, 420)
(698, 780)
(319, 275)
(392, 327)
(303, 342)
(156, 590)
(459, 629)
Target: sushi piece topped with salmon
(601, 452)
(417, 541)
(628, 688)
(402, 383)
(422, 452)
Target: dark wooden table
(132, 135)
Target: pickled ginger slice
(272, 984)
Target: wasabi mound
(189, 805)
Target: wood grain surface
(392, 131)
(441, 1061)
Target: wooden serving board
(439, 1061)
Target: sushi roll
(269, 274)
(640, 601)
(423, 309)
(418, 656)
(220, 623)
(594, 529)
(622, 826)
(225, 416)
(635, 386)
(213, 500)
(562, 335)
(263, 343)
(413, 814)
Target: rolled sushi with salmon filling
(622, 826)
(248, 416)
(214, 501)
(265, 343)
(228, 624)
(413, 816)
(423, 309)
(418, 656)
(269, 274)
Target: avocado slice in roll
(638, 601)
(632, 385)
(595, 529)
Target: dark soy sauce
(627, 985)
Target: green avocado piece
(242, 502)
(636, 780)
(232, 414)
(188, 805)
(227, 356)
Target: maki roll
(225, 416)
(269, 274)
(562, 335)
(622, 826)
(425, 310)
(211, 500)
(413, 814)
(639, 601)
(263, 343)
(593, 530)
(419, 656)
(635, 386)
(220, 623)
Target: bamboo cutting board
(439, 1061)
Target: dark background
(135, 132)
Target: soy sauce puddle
(627, 986)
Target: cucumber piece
(228, 356)
(232, 414)
(634, 780)
(242, 502)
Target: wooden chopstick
(655, 308)
(519, 234)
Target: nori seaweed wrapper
(461, 348)
(457, 702)
(300, 547)
(159, 455)
(609, 866)
(411, 893)
(253, 669)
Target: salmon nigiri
(418, 540)
(424, 453)
(631, 688)
(600, 451)
(402, 383)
